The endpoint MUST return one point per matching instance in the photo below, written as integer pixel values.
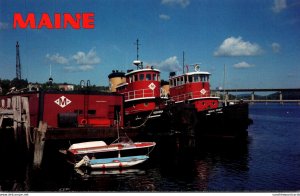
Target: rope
(150, 150)
(136, 127)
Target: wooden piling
(26, 120)
(39, 143)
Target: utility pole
(18, 62)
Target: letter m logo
(62, 101)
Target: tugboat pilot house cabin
(193, 87)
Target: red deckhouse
(141, 89)
(193, 87)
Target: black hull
(226, 122)
(229, 121)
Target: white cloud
(170, 64)
(279, 5)
(3, 25)
(57, 58)
(83, 61)
(71, 68)
(237, 47)
(90, 58)
(276, 47)
(243, 65)
(164, 17)
(182, 3)
(86, 67)
(81, 68)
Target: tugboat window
(196, 78)
(135, 77)
(141, 77)
(190, 78)
(148, 76)
(182, 80)
(155, 77)
(178, 81)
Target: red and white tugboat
(195, 111)
(193, 87)
(143, 99)
(142, 94)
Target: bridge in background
(280, 99)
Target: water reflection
(88, 173)
(176, 164)
(14, 164)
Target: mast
(137, 62)
(183, 62)
(224, 96)
(18, 62)
(137, 49)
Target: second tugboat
(195, 111)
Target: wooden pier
(30, 128)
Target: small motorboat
(111, 163)
(122, 153)
(101, 147)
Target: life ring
(83, 121)
(197, 68)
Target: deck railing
(137, 94)
(190, 95)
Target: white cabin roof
(192, 73)
(142, 70)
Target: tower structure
(18, 62)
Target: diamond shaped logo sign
(62, 101)
(203, 91)
(152, 86)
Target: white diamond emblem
(62, 101)
(203, 91)
(152, 86)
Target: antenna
(18, 62)
(137, 62)
(137, 49)
(224, 82)
(183, 62)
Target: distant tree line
(6, 85)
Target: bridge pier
(252, 97)
(280, 97)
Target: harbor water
(268, 160)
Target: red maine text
(59, 21)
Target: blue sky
(257, 40)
